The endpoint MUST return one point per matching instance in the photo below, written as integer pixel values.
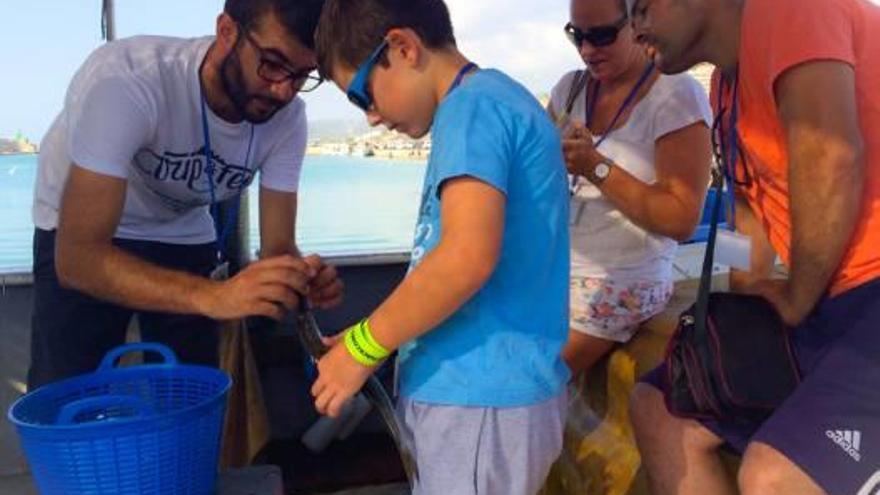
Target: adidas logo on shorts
(849, 440)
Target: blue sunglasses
(357, 91)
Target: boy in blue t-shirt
(482, 316)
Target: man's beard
(232, 78)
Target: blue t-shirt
(502, 347)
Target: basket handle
(110, 359)
(70, 411)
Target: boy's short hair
(299, 17)
(350, 30)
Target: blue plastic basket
(145, 429)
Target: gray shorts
(484, 450)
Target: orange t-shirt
(778, 35)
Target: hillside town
(377, 143)
(17, 146)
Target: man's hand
(579, 151)
(267, 287)
(325, 289)
(780, 294)
(339, 378)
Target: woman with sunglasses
(637, 146)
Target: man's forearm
(817, 106)
(825, 205)
(109, 273)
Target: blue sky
(43, 42)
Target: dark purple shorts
(830, 426)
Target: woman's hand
(579, 151)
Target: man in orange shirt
(807, 77)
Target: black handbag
(731, 356)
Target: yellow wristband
(363, 347)
(370, 344)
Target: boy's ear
(405, 46)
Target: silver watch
(600, 172)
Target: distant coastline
(18, 153)
(381, 145)
(391, 155)
(381, 154)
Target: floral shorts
(612, 310)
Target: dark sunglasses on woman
(596, 36)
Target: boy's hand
(339, 378)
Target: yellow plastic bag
(600, 456)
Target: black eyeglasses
(597, 36)
(275, 70)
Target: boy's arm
(472, 226)
(472, 219)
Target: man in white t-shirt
(124, 190)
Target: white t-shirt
(605, 243)
(133, 111)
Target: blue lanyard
(729, 148)
(590, 107)
(460, 76)
(223, 227)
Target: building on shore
(17, 145)
(376, 143)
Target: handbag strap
(728, 162)
(702, 309)
(577, 84)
